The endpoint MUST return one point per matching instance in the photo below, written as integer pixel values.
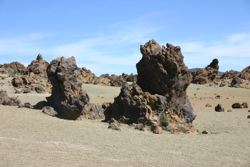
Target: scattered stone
(49, 111)
(248, 116)
(244, 105)
(229, 110)
(204, 132)
(236, 105)
(217, 96)
(219, 108)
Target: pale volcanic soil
(29, 138)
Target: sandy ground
(29, 138)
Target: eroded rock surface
(67, 97)
(207, 74)
(39, 66)
(245, 73)
(13, 68)
(160, 91)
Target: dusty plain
(29, 138)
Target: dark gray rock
(67, 97)
(161, 88)
(219, 108)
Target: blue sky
(105, 35)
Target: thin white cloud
(235, 47)
(21, 45)
(119, 45)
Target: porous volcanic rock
(14, 68)
(67, 97)
(207, 74)
(39, 66)
(160, 90)
(245, 73)
(87, 76)
(219, 108)
(31, 82)
(229, 74)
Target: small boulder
(236, 105)
(219, 108)
(204, 132)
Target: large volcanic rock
(67, 98)
(35, 80)
(87, 76)
(207, 74)
(38, 66)
(159, 97)
(229, 74)
(245, 73)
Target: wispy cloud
(113, 50)
(21, 45)
(118, 45)
(116, 48)
(234, 47)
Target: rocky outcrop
(68, 98)
(245, 73)
(35, 79)
(14, 68)
(31, 82)
(207, 74)
(87, 76)
(159, 96)
(38, 66)
(6, 100)
(229, 75)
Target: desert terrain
(31, 138)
